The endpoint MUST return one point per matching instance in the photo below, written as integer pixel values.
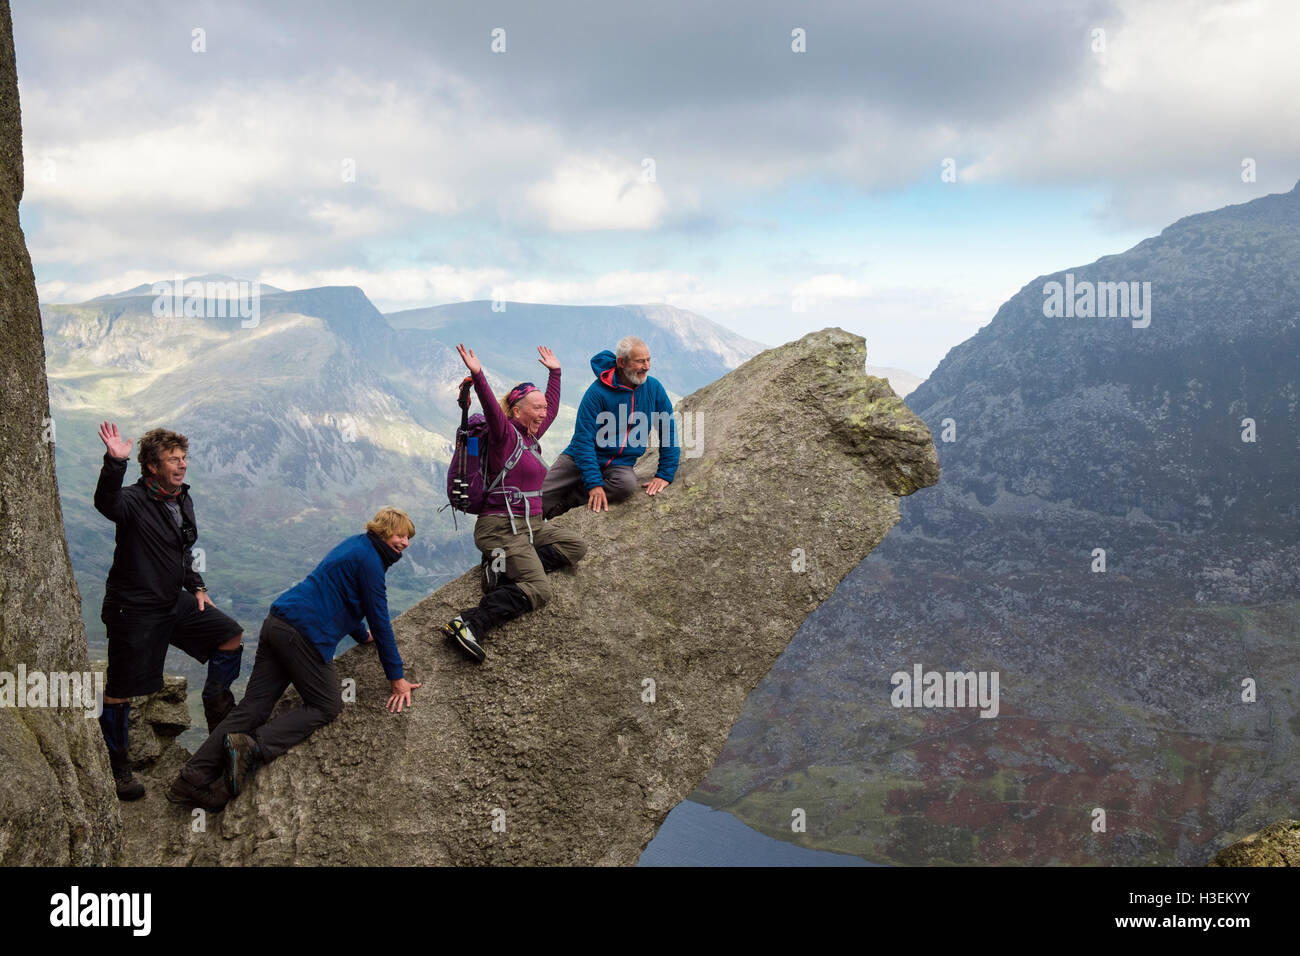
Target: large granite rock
(57, 804)
(594, 717)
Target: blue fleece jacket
(348, 585)
(614, 423)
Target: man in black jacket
(154, 597)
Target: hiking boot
(458, 633)
(212, 797)
(113, 723)
(242, 757)
(128, 788)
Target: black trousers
(284, 657)
(138, 639)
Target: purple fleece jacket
(529, 473)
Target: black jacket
(152, 562)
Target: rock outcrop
(1278, 844)
(594, 717)
(57, 804)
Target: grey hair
(626, 344)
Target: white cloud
(588, 193)
(1183, 93)
(831, 286)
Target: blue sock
(223, 668)
(113, 723)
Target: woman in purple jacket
(510, 526)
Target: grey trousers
(284, 657)
(563, 488)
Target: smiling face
(170, 472)
(634, 369)
(398, 542)
(530, 411)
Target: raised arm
(108, 491)
(496, 419)
(552, 400)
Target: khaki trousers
(523, 566)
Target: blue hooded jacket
(614, 423)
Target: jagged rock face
(595, 716)
(57, 804)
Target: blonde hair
(390, 521)
(504, 401)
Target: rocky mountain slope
(1159, 689)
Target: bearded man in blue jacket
(618, 413)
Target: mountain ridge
(1106, 541)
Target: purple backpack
(468, 486)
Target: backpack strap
(511, 462)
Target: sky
(896, 169)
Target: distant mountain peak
(148, 287)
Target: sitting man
(615, 420)
(154, 597)
(296, 646)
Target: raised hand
(470, 359)
(113, 441)
(547, 357)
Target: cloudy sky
(679, 151)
